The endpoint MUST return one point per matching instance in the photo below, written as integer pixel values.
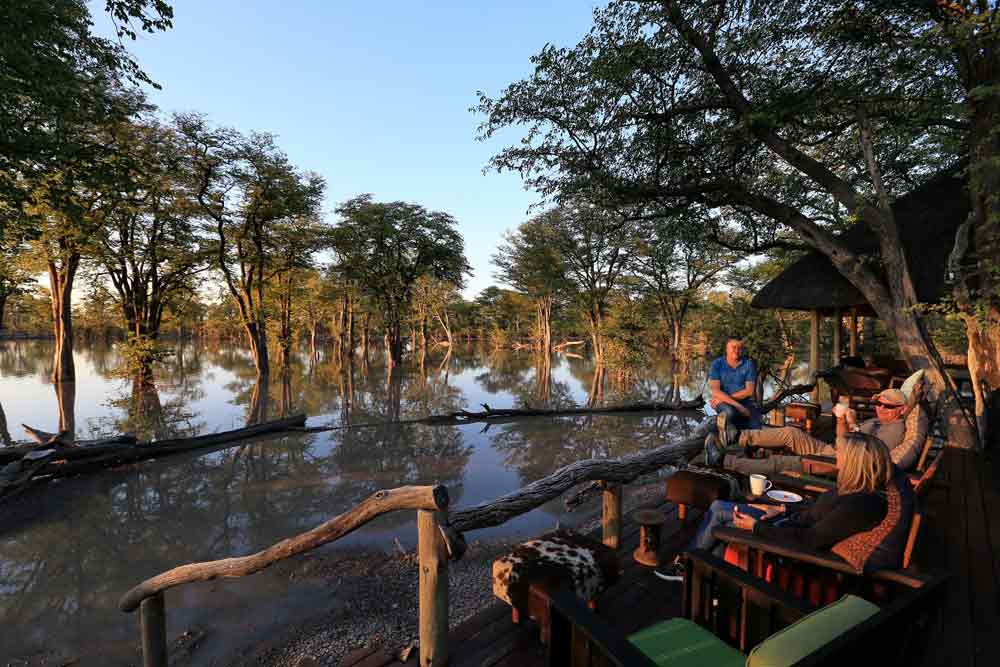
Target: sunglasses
(888, 406)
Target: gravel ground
(377, 596)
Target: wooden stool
(648, 551)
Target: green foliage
(386, 247)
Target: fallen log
(568, 343)
(89, 447)
(66, 462)
(539, 492)
(46, 439)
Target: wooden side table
(648, 551)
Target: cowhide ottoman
(561, 558)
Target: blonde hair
(865, 465)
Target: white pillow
(912, 383)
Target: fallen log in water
(41, 465)
(567, 343)
(16, 452)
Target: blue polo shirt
(732, 379)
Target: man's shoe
(729, 435)
(713, 453)
(672, 572)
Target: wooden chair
(820, 575)
(728, 612)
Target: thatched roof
(928, 218)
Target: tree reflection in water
(69, 550)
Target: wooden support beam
(433, 588)
(837, 321)
(153, 628)
(814, 351)
(611, 515)
(853, 340)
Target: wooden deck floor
(961, 537)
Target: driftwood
(46, 439)
(621, 470)
(88, 447)
(428, 498)
(41, 465)
(568, 343)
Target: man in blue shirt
(732, 379)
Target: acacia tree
(386, 247)
(675, 268)
(792, 116)
(528, 260)
(592, 242)
(245, 187)
(294, 244)
(149, 246)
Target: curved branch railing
(439, 539)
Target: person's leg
(766, 466)
(788, 437)
(719, 512)
(754, 421)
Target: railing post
(611, 513)
(153, 626)
(433, 564)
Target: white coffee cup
(759, 484)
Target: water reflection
(69, 550)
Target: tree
(529, 261)
(386, 247)
(245, 187)
(674, 269)
(294, 244)
(15, 278)
(801, 117)
(592, 242)
(56, 74)
(149, 246)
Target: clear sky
(372, 95)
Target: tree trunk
(364, 334)
(258, 408)
(393, 344)
(350, 327)
(257, 339)
(3, 308)
(61, 283)
(66, 398)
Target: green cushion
(811, 632)
(819, 480)
(684, 643)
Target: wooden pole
(611, 516)
(778, 416)
(814, 352)
(835, 357)
(433, 589)
(153, 627)
(853, 340)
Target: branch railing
(439, 536)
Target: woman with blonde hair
(861, 520)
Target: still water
(69, 550)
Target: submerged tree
(150, 247)
(386, 247)
(246, 188)
(529, 261)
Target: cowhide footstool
(557, 559)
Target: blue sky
(372, 95)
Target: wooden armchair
(821, 575)
(752, 616)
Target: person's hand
(743, 521)
(769, 510)
(714, 402)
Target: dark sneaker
(713, 453)
(672, 572)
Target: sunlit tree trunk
(258, 408)
(66, 399)
(61, 285)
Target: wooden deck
(961, 537)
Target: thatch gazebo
(928, 218)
